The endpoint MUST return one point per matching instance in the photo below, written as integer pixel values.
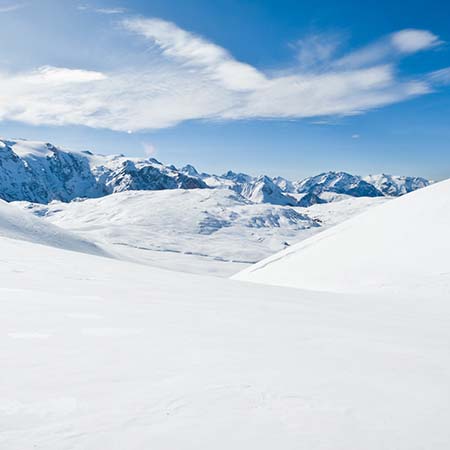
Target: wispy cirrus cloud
(395, 45)
(5, 8)
(184, 76)
(193, 51)
(316, 50)
(108, 11)
(111, 10)
(62, 75)
(440, 77)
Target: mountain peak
(41, 172)
(189, 169)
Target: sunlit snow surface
(401, 245)
(102, 354)
(199, 230)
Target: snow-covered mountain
(238, 178)
(339, 183)
(310, 199)
(395, 186)
(325, 187)
(263, 190)
(41, 172)
(402, 244)
(118, 174)
(285, 185)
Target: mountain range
(41, 172)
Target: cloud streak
(186, 77)
(11, 7)
(107, 11)
(391, 47)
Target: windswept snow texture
(101, 354)
(210, 230)
(403, 244)
(18, 224)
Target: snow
(41, 172)
(264, 190)
(25, 148)
(402, 244)
(338, 182)
(396, 185)
(103, 354)
(18, 224)
(199, 230)
(101, 350)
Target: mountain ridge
(40, 172)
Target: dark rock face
(310, 199)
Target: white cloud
(111, 10)
(194, 51)
(317, 50)
(390, 48)
(440, 77)
(62, 75)
(411, 41)
(355, 136)
(108, 11)
(185, 77)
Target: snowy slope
(18, 224)
(198, 230)
(403, 244)
(333, 213)
(102, 354)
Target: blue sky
(279, 87)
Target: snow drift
(18, 224)
(400, 244)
